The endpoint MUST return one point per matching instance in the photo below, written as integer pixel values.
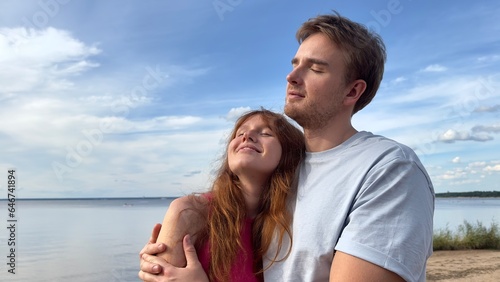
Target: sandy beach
(471, 265)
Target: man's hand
(193, 272)
(152, 248)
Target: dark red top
(242, 268)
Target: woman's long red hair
(227, 205)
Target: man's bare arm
(352, 269)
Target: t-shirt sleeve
(390, 221)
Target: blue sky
(135, 98)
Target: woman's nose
(248, 136)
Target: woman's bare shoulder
(196, 203)
(185, 215)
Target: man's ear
(356, 89)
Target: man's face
(316, 85)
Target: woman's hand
(155, 269)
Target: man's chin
(293, 113)
(289, 112)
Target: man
(364, 204)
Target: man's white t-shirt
(369, 197)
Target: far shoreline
(457, 195)
(92, 198)
(471, 194)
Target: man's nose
(294, 77)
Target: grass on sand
(468, 237)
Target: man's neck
(328, 136)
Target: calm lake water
(99, 240)
(451, 212)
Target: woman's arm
(193, 272)
(180, 219)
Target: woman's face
(254, 149)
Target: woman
(233, 224)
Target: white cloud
(477, 164)
(43, 47)
(138, 164)
(393, 82)
(457, 93)
(435, 68)
(456, 160)
(486, 109)
(492, 168)
(478, 172)
(54, 85)
(49, 116)
(41, 59)
(400, 79)
(465, 181)
(491, 58)
(495, 128)
(235, 113)
(452, 135)
(452, 174)
(155, 124)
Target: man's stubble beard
(311, 117)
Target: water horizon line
(94, 198)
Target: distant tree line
(479, 194)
